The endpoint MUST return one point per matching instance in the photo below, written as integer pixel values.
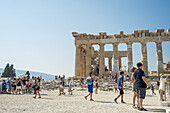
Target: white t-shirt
(162, 83)
(88, 78)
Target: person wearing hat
(162, 86)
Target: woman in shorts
(133, 69)
(70, 83)
(61, 86)
(37, 88)
(115, 85)
(13, 85)
(90, 87)
(96, 85)
(162, 86)
(18, 86)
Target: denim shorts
(141, 93)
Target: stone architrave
(101, 60)
(88, 60)
(115, 58)
(77, 61)
(129, 56)
(159, 58)
(144, 58)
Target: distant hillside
(22, 72)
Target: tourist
(141, 85)
(4, 86)
(24, 85)
(115, 85)
(61, 91)
(120, 87)
(9, 85)
(133, 69)
(63, 83)
(28, 86)
(90, 86)
(152, 89)
(96, 86)
(18, 86)
(162, 86)
(70, 84)
(116, 75)
(34, 84)
(13, 85)
(37, 88)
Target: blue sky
(36, 34)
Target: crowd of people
(138, 80)
(139, 86)
(22, 85)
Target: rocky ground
(52, 103)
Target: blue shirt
(4, 85)
(139, 83)
(120, 79)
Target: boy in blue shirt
(120, 87)
(4, 86)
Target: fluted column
(144, 58)
(101, 60)
(77, 61)
(110, 63)
(159, 58)
(88, 59)
(129, 56)
(81, 62)
(115, 58)
(120, 63)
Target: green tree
(9, 71)
(28, 73)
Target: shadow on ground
(103, 101)
(157, 110)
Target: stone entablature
(85, 53)
(136, 34)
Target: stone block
(165, 103)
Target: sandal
(134, 107)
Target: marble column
(120, 63)
(159, 58)
(110, 63)
(144, 58)
(84, 64)
(77, 61)
(129, 56)
(88, 60)
(81, 62)
(101, 60)
(115, 58)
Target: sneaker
(143, 109)
(115, 100)
(123, 102)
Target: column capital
(143, 42)
(114, 44)
(129, 43)
(158, 42)
(102, 44)
(77, 45)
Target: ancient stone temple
(86, 55)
